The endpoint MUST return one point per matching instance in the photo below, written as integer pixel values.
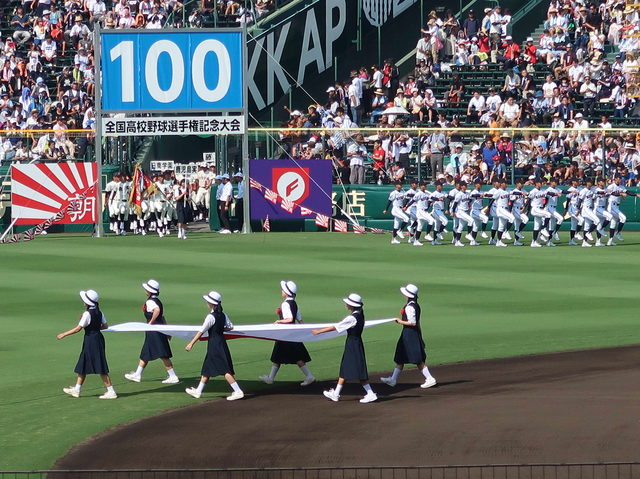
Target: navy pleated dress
(354, 363)
(410, 347)
(218, 361)
(93, 358)
(287, 352)
(156, 345)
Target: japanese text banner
(174, 125)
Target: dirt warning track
(579, 406)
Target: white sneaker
(389, 382)
(435, 243)
(545, 232)
(394, 241)
(492, 241)
(519, 235)
(474, 243)
(179, 236)
(556, 236)
(132, 376)
(440, 237)
(585, 244)
(411, 239)
(602, 233)
(458, 243)
(184, 236)
(160, 235)
(445, 231)
(550, 243)
(469, 237)
(123, 233)
(308, 380)
(370, 397)
(228, 232)
(453, 241)
(611, 243)
(400, 235)
(578, 237)
(517, 243)
(71, 391)
(266, 379)
(144, 233)
(589, 236)
(618, 236)
(109, 395)
(193, 392)
(599, 243)
(171, 380)
(506, 236)
(573, 243)
(331, 394)
(417, 243)
(235, 395)
(484, 234)
(429, 237)
(500, 244)
(535, 244)
(428, 383)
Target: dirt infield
(567, 407)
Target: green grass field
(477, 303)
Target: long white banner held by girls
(299, 333)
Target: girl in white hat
(287, 352)
(218, 361)
(354, 363)
(410, 348)
(93, 359)
(156, 345)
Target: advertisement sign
(169, 70)
(302, 183)
(41, 191)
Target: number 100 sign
(168, 70)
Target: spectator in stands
(456, 91)
(20, 23)
(509, 113)
(589, 92)
(511, 86)
(471, 25)
(511, 53)
(475, 108)
(495, 30)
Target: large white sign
(174, 125)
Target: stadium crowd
(581, 96)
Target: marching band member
(618, 218)
(93, 358)
(573, 199)
(410, 347)
(400, 218)
(354, 363)
(218, 360)
(287, 352)
(555, 218)
(585, 205)
(156, 344)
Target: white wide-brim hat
(152, 286)
(410, 290)
(289, 287)
(213, 297)
(353, 300)
(89, 297)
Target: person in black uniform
(93, 358)
(354, 363)
(410, 348)
(156, 345)
(287, 352)
(218, 361)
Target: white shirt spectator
(510, 112)
(477, 104)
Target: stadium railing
(613, 470)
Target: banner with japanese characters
(292, 188)
(41, 191)
(174, 125)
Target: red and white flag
(376, 231)
(288, 205)
(254, 184)
(6, 239)
(141, 187)
(16, 238)
(305, 211)
(59, 216)
(270, 196)
(322, 220)
(340, 226)
(44, 225)
(29, 234)
(359, 230)
(266, 225)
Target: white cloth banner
(299, 333)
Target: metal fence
(617, 470)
